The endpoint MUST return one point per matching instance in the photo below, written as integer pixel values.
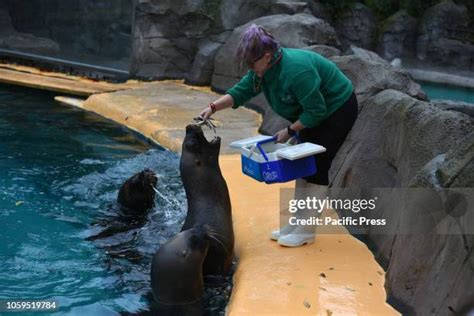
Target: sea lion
(208, 198)
(136, 196)
(176, 273)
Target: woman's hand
(206, 113)
(224, 102)
(282, 136)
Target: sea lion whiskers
(214, 235)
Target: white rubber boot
(297, 237)
(303, 234)
(285, 230)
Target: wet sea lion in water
(208, 198)
(176, 273)
(136, 196)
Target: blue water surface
(61, 171)
(437, 91)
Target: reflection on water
(61, 171)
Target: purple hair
(254, 43)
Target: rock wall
(181, 38)
(101, 28)
(400, 141)
(446, 36)
(10, 38)
(175, 39)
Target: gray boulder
(160, 58)
(394, 136)
(234, 13)
(10, 38)
(88, 27)
(399, 35)
(166, 36)
(370, 78)
(448, 52)
(434, 272)
(221, 37)
(399, 141)
(365, 54)
(203, 64)
(444, 36)
(324, 50)
(29, 43)
(289, 7)
(463, 107)
(358, 27)
(320, 11)
(179, 7)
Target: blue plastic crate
(269, 167)
(251, 168)
(285, 170)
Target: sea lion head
(138, 193)
(197, 151)
(176, 269)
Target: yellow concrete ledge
(161, 110)
(57, 82)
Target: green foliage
(382, 8)
(337, 7)
(416, 8)
(385, 8)
(469, 5)
(211, 8)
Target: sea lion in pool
(136, 196)
(208, 198)
(176, 273)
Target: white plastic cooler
(265, 160)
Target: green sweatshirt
(302, 85)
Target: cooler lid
(248, 141)
(300, 151)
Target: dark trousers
(331, 134)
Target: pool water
(61, 170)
(436, 91)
